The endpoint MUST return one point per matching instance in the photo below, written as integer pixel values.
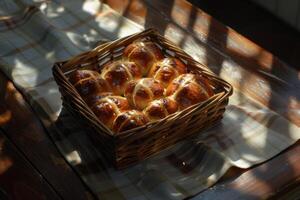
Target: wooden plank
(291, 191)
(196, 22)
(18, 178)
(24, 129)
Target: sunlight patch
(251, 157)
(231, 72)
(91, 6)
(74, 158)
(24, 74)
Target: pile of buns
(143, 86)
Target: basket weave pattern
(134, 145)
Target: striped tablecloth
(35, 34)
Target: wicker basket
(134, 145)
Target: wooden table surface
(32, 168)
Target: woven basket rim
(151, 32)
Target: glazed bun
(144, 54)
(160, 108)
(88, 82)
(141, 92)
(143, 86)
(118, 73)
(167, 69)
(189, 89)
(128, 120)
(108, 108)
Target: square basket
(129, 147)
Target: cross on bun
(144, 54)
(160, 108)
(141, 92)
(118, 73)
(128, 120)
(189, 89)
(108, 108)
(167, 69)
(88, 82)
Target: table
(32, 168)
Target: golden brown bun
(160, 108)
(128, 120)
(88, 82)
(118, 73)
(141, 92)
(189, 89)
(167, 69)
(144, 54)
(108, 108)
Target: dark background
(258, 25)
